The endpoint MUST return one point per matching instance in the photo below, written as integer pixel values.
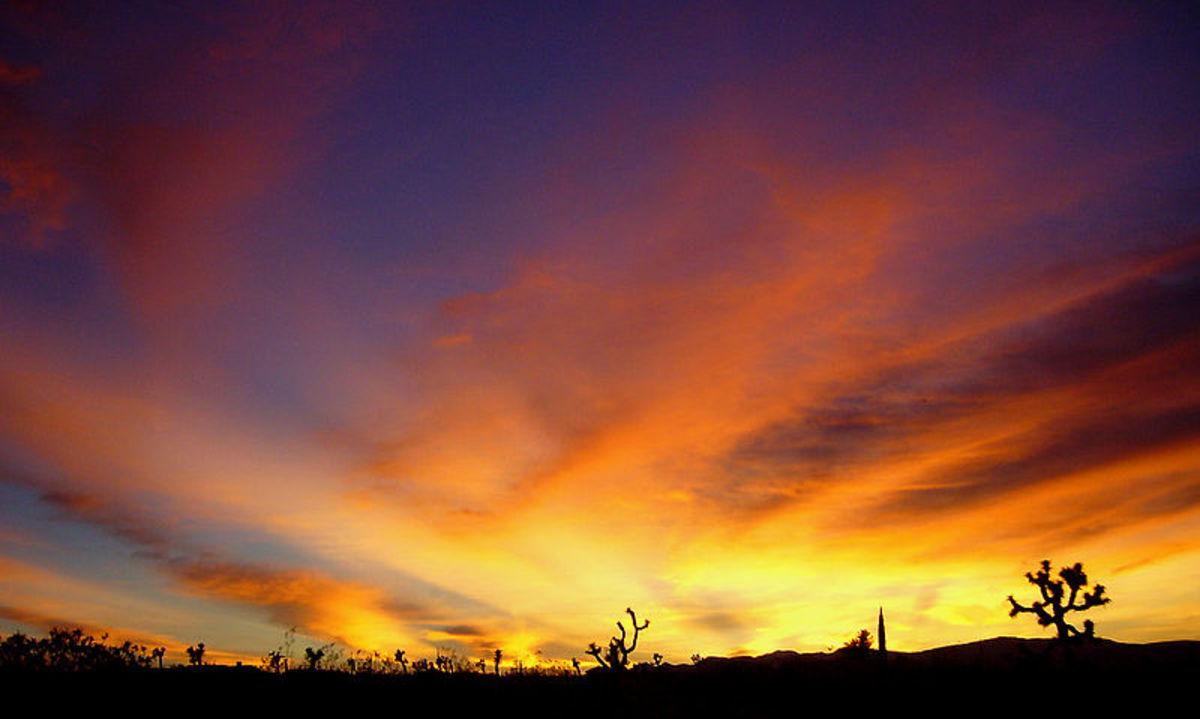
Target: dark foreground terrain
(1016, 677)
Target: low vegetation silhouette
(196, 654)
(859, 644)
(73, 650)
(313, 657)
(1060, 597)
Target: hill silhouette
(999, 654)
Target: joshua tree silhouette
(616, 657)
(1052, 610)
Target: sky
(466, 326)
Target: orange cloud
(358, 615)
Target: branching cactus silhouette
(1059, 598)
(616, 656)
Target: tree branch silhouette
(1052, 610)
(616, 656)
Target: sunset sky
(468, 325)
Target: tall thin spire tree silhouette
(882, 636)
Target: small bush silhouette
(859, 644)
(196, 654)
(313, 657)
(275, 662)
(422, 666)
(1052, 609)
(448, 661)
(616, 656)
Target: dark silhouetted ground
(1016, 677)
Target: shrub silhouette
(616, 656)
(859, 644)
(196, 654)
(422, 666)
(275, 662)
(448, 661)
(1052, 610)
(72, 650)
(366, 662)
